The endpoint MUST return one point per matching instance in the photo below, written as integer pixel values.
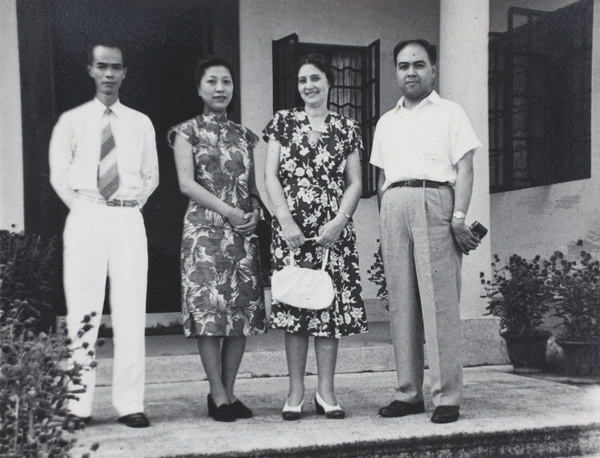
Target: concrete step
(173, 358)
(502, 415)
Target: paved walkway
(503, 415)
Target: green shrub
(377, 276)
(36, 380)
(28, 266)
(576, 287)
(36, 383)
(518, 294)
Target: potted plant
(576, 288)
(520, 296)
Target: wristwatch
(458, 215)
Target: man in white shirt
(104, 166)
(424, 148)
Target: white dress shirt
(75, 152)
(423, 143)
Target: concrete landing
(503, 415)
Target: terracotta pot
(527, 353)
(581, 358)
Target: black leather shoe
(75, 423)
(401, 409)
(221, 413)
(240, 410)
(445, 414)
(134, 420)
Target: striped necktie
(108, 173)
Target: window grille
(540, 98)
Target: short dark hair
(319, 61)
(203, 63)
(429, 48)
(107, 43)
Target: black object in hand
(478, 229)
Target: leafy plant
(377, 276)
(28, 266)
(575, 284)
(36, 380)
(36, 383)
(518, 294)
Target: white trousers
(101, 240)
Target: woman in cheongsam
(222, 293)
(313, 179)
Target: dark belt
(418, 184)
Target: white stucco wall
(348, 22)
(463, 50)
(11, 147)
(543, 219)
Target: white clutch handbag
(303, 288)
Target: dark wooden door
(160, 41)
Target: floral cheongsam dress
(222, 293)
(312, 178)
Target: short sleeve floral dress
(222, 292)
(312, 177)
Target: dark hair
(429, 48)
(107, 43)
(203, 63)
(319, 61)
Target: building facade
(527, 217)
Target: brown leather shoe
(445, 414)
(401, 409)
(134, 420)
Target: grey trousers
(423, 273)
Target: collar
(116, 108)
(433, 97)
(214, 117)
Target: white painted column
(463, 78)
(12, 207)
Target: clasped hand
(329, 234)
(244, 223)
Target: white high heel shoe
(292, 413)
(332, 412)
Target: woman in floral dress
(313, 179)
(222, 294)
